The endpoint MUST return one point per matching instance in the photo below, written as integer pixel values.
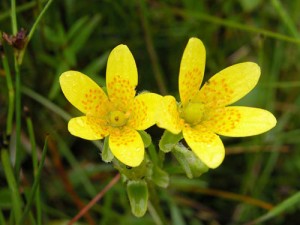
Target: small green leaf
(106, 154)
(190, 163)
(169, 140)
(137, 191)
(146, 138)
(160, 177)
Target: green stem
(11, 95)
(13, 15)
(35, 183)
(12, 184)
(18, 117)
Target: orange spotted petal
(229, 85)
(121, 75)
(191, 70)
(168, 115)
(240, 121)
(82, 91)
(205, 144)
(127, 146)
(87, 128)
(144, 111)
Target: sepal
(169, 140)
(137, 191)
(190, 163)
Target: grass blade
(35, 183)
(12, 183)
(280, 208)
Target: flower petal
(239, 121)
(205, 144)
(191, 69)
(229, 85)
(121, 75)
(87, 128)
(144, 111)
(81, 91)
(127, 146)
(168, 115)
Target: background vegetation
(260, 175)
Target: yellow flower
(118, 113)
(203, 114)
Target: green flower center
(193, 113)
(117, 118)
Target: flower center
(117, 118)
(193, 113)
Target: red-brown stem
(95, 199)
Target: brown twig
(95, 199)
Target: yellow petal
(191, 69)
(205, 144)
(229, 85)
(239, 121)
(127, 146)
(168, 115)
(87, 128)
(81, 91)
(144, 111)
(121, 75)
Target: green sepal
(137, 191)
(190, 163)
(146, 138)
(160, 177)
(106, 154)
(169, 140)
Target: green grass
(47, 175)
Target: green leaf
(106, 154)
(169, 140)
(137, 191)
(13, 186)
(146, 138)
(6, 201)
(190, 163)
(82, 36)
